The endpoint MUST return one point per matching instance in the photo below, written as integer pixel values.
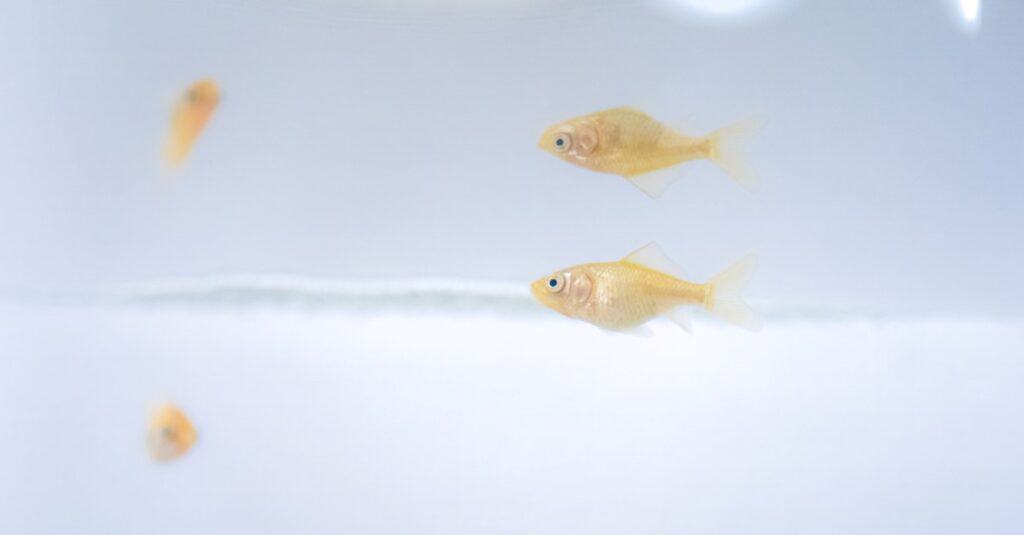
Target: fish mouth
(547, 139)
(536, 290)
(544, 140)
(540, 292)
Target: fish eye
(563, 142)
(555, 283)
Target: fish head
(566, 291)
(574, 141)
(203, 95)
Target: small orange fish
(170, 434)
(629, 143)
(189, 118)
(623, 295)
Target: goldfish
(170, 433)
(190, 116)
(629, 143)
(623, 295)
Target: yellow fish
(623, 295)
(629, 143)
(189, 118)
(170, 433)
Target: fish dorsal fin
(683, 126)
(652, 257)
(655, 183)
(680, 318)
(626, 110)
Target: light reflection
(723, 9)
(969, 10)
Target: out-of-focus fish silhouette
(170, 433)
(191, 113)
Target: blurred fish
(627, 142)
(189, 118)
(170, 433)
(623, 295)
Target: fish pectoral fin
(655, 183)
(680, 318)
(651, 256)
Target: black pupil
(552, 283)
(559, 142)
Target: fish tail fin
(723, 298)
(174, 152)
(727, 151)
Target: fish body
(189, 118)
(629, 143)
(623, 295)
(170, 434)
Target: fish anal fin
(680, 318)
(654, 183)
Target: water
(335, 286)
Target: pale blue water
(321, 421)
(335, 288)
